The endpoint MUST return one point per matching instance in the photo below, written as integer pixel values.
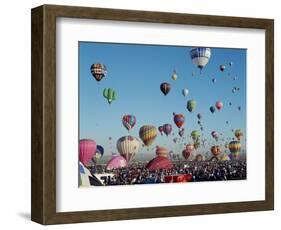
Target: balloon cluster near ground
(161, 114)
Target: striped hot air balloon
(165, 88)
(98, 71)
(234, 148)
(147, 134)
(87, 149)
(200, 56)
(162, 151)
(128, 147)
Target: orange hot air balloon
(161, 151)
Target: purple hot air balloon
(167, 129)
(87, 149)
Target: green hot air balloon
(191, 104)
(110, 94)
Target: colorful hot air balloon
(178, 119)
(215, 150)
(219, 105)
(99, 152)
(215, 135)
(212, 109)
(128, 147)
(110, 94)
(185, 92)
(162, 151)
(167, 129)
(238, 134)
(191, 105)
(200, 56)
(147, 134)
(234, 148)
(174, 75)
(98, 71)
(160, 129)
(129, 121)
(165, 88)
(224, 157)
(87, 149)
(222, 68)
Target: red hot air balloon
(165, 88)
(186, 154)
(219, 105)
(87, 149)
(159, 163)
(167, 129)
(179, 120)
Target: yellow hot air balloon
(147, 134)
(174, 76)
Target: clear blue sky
(136, 72)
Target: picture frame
(44, 122)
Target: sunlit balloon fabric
(234, 148)
(128, 146)
(87, 149)
(200, 56)
(98, 71)
(116, 162)
(148, 133)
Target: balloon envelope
(128, 147)
(116, 162)
(179, 120)
(98, 71)
(165, 88)
(87, 149)
(200, 56)
(159, 163)
(129, 121)
(147, 134)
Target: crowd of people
(137, 173)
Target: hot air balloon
(188, 151)
(129, 121)
(165, 88)
(178, 119)
(110, 94)
(215, 135)
(161, 151)
(181, 132)
(199, 158)
(195, 135)
(116, 162)
(148, 133)
(159, 163)
(191, 105)
(238, 134)
(215, 150)
(174, 75)
(98, 71)
(175, 140)
(239, 108)
(99, 152)
(200, 56)
(230, 63)
(160, 129)
(214, 80)
(128, 147)
(234, 148)
(185, 92)
(212, 109)
(87, 149)
(222, 68)
(167, 129)
(219, 105)
(199, 116)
